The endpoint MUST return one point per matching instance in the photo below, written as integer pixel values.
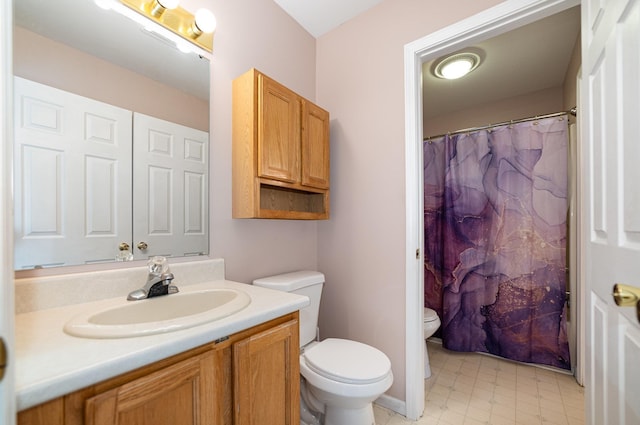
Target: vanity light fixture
(196, 29)
(157, 7)
(457, 65)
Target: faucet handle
(158, 265)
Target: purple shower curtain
(495, 222)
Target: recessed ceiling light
(457, 65)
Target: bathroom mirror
(153, 102)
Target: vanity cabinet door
(266, 377)
(50, 413)
(179, 394)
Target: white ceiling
(319, 17)
(525, 60)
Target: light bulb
(157, 7)
(457, 65)
(169, 4)
(205, 21)
(456, 69)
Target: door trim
(7, 392)
(499, 19)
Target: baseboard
(392, 403)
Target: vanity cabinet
(280, 152)
(251, 377)
(260, 362)
(180, 393)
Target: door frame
(506, 16)
(7, 392)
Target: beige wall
(361, 250)
(57, 65)
(528, 105)
(255, 33)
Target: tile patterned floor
(474, 389)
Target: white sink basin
(166, 313)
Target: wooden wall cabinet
(280, 152)
(252, 377)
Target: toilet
(340, 378)
(431, 323)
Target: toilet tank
(308, 283)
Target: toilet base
(427, 367)
(342, 416)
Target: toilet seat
(430, 315)
(346, 361)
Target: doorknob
(626, 295)
(142, 246)
(3, 358)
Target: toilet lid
(430, 315)
(347, 361)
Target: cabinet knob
(123, 246)
(142, 246)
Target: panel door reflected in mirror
(79, 53)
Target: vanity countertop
(51, 363)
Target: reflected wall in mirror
(111, 127)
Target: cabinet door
(278, 131)
(267, 382)
(179, 394)
(315, 146)
(50, 413)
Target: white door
(170, 180)
(72, 177)
(610, 121)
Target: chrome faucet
(158, 281)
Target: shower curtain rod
(573, 111)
